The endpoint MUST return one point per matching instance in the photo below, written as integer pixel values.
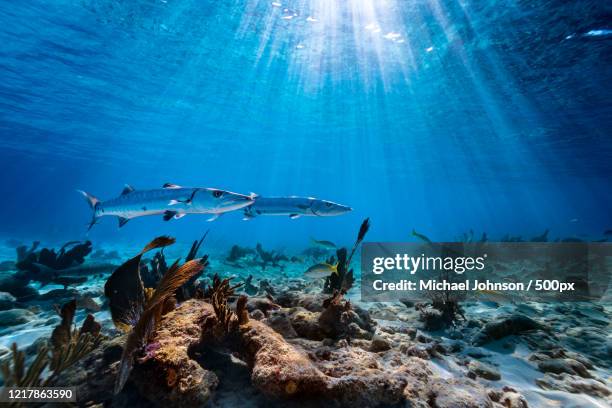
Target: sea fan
(68, 347)
(174, 278)
(125, 290)
(16, 375)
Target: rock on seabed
(333, 372)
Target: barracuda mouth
(240, 201)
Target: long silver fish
(172, 201)
(294, 207)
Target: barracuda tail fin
(93, 203)
(91, 200)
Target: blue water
(442, 116)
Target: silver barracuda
(172, 201)
(294, 207)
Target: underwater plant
(138, 310)
(219, 293)
(23, 252)
(269, 257)
(152, 311)
(342, 278)
(335, 317)
(65, 348)
(125, 289)
(63, 259)
(47, 266)
(445, 308)
(151, 274)
(188, 290)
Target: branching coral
(16, 375)
(219, 293)
(70, 254)
(270, 257)
(68, 346)
(81, 343)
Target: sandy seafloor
(579, 325)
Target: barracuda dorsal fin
(127, 189)
(294, 216)
(168, 215)
(123, 221)
(170, 185)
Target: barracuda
(172, 201)
(294, 207)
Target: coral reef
(265, 337)
(167, 375)
(137, 310)
(287, 368)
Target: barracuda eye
(217, 193)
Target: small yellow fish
(321, 270)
